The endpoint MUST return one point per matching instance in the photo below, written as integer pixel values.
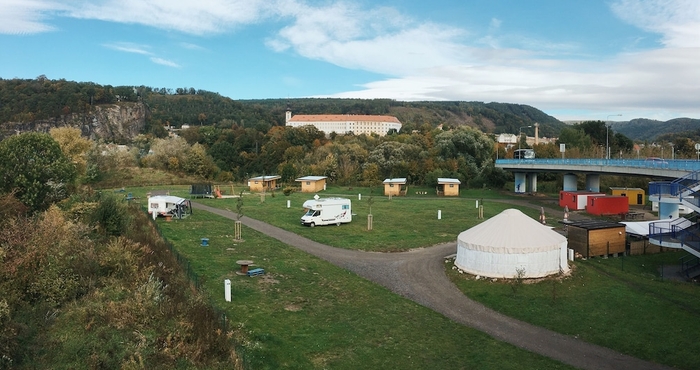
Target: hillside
(31, 104)
(642, 129)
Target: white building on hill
(345, 123)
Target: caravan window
(346, 206)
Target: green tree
(33, 165)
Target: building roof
(265, 178)
(311, 178)
(399, 180)
(167, 199)
(594, 224)
(342, 118)
(444, 180)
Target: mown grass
(306, 313)
(620, 303)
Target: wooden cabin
(396, 186)
(594, 238)
(263, 183)
(312, 184)
(448, 187)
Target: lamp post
(520, 134)
(607, 140)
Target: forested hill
(23, 100)
(651, 130)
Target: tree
(73, 145)
(33, 165)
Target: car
(655, 161)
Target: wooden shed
(395, 186)
(312, 184)
(575, 200)
(594, 238)
(634, 195)
(448, 187)
(263, 183)
(607, 205)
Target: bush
(111, 215)
(288, 190)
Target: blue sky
(572, 59)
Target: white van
(327, 211)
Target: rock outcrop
(117, 123)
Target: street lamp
(520, 134)
(607, 141)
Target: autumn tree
(73, 145)
(34, 167)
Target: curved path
(419, 275)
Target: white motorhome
(327, 211)
(168, 206)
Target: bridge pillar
(520, 184)
(593, 182)
(570, 181)
(532, 182)
(668, 211)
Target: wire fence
(193, 278)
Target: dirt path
(419, 275)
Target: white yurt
(510, 242)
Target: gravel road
(419, 275)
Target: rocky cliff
(118, 123)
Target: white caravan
(168, 205)
(326, 211)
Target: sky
(609, 60)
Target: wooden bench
(634, 215)
(256, 272)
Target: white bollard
(227, 290)
(359, 196)
(288, 203)
(571, 254)
(477, 204)
(439, 214)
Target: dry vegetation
(92, 285)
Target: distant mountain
(643, 129)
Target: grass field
(399, 224)
(620, 303)
(306, 313)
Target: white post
(359, 196)
(288, 203)
(477, 204)
(227, 290)
(439, 214)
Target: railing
(678, 164)
(689, 263)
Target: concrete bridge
(526, 170)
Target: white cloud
(129, 47)
(164, 62)
(199, 17)
(678, 21)
(26, 16)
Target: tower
(537, 133)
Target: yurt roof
(510, 232)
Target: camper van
(326, 211)
(168, 206)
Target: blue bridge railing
(678, 164)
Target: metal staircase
(683, 233)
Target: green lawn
(306, 313)
(619, 303)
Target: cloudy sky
(572, 59)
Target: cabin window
(391, 185)
(308, 183)
(256, 183)
(452, 185)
